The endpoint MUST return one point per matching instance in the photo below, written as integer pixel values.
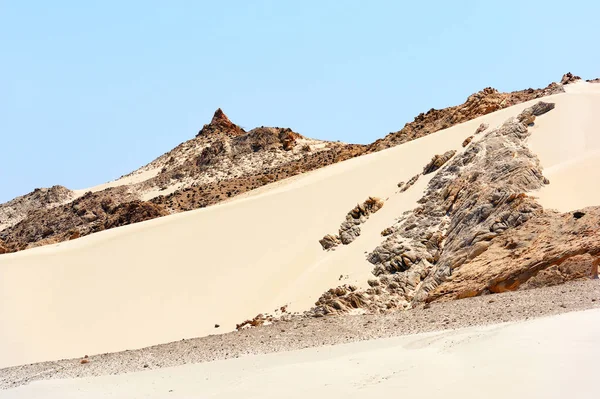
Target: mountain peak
(220, 123)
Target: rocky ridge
(476, 203)
(223, 161)
(14, 211)
(350, 228)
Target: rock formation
(478, 104)
(457, 242)
(438, 161)
(405, 186)
(350, 228)
(220, 124)
(224, 160)
(14, 211)
(569, 78)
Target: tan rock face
(549, 249)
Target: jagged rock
(329, 241)
(540, 108)
(467, 141)
(3, 248)
(477, 198)
(12, 212)
(549, 249)
(220, 124)
(387, 231)
(438, 161)
(478, 104)
(569, 78)
(483, 127)
(350, 228)
(597, 80)
(405, 186)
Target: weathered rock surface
(438, 161)
(569, 78)
(549, 249)
(350, 228)
(475, 199)
(482, 128)
(90, 213)
(597, 80)
(478, 104)
(14, 211)
(467, 141)
(405, 186)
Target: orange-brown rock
(549, 249)
(467, 141)
(569, 78)
(438, 161)
(478, 104)
(221, 124)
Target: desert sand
(557, 358)
(177, 276)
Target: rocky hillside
(14, 211)
(478, 104)
(222, 161)
(477, 231)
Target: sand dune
(472, 362)
(175, 277)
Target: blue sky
(92, 90)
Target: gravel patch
(303, 332)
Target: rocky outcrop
(14, 211)
(438, 161)
(549, 249)
(88, 214)
(467, 141)
(478, 104)
(405, 186)
(471, 201)
(3, 248)
(482, 128)
(220, 124)
(597, 80)
(569, 78)
(350, 228)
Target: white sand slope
(557, 358)
(175, 277)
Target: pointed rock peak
(220, 123)
(569, 78)
(220, 118)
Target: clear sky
(91, 90)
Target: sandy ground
(569, 149)
(175, 277)
(550, 357)
(302, 333)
